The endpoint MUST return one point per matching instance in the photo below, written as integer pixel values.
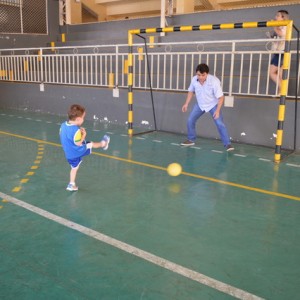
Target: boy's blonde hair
(75, 111)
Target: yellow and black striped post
(244, 25)
(130, 84)
(283, 90)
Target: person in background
(275, 72)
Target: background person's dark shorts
(275, 60)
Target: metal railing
(241, 65)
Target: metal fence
(23, 16)
(242, 66)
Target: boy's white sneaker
(72, 188)
(106, 138)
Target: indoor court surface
(227, 227)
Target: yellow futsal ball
(174, 169)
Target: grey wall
(251, 120)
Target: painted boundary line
(166, 264)
(219, 181)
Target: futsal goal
(225, 26)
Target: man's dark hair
(284, 14)
(202, 68)
(283, 11)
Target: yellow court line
(16, 189)
(237, 185)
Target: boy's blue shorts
(75, 162)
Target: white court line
(293, 165)
(193, 147)
(217, 151)
(240, 155)
(139, 138)
(166, 264)
(264, 159)
(156, 141)
(175, 144)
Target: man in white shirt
(210, 98)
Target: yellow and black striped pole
(130, 84)
(283, 91)
(244, 25)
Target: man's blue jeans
(195, 114)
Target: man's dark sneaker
(229, 148)
(187, 143)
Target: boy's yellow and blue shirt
(69, 135)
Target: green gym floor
(227, 227)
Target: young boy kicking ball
(72, 138)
